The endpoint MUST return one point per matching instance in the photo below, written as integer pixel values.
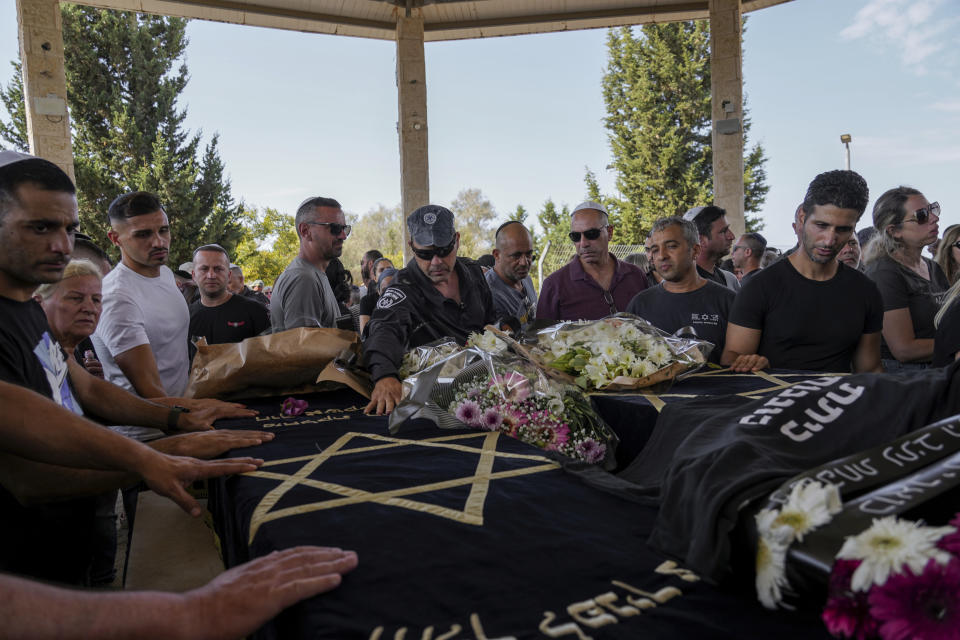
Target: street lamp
(846, 139)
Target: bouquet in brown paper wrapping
(298, 360)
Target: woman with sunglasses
(948, 254)
(911, 285)
(946, 343)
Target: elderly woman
(911, 285)
(73, 307)
(948, 253)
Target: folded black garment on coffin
(704, 470)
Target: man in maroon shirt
(594, 284)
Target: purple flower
(469, 413)
(951, 542)
(924, 607)
(293, 407)
(591, 451)
(491, 420)
(847, 613)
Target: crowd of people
(83, 338)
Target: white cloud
(908, 26)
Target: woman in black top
(948, 253)
(912, 286)
(946, 344)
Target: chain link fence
(556, 256)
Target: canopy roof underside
(443, 19)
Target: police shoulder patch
(390, 298)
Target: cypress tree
(657, 93)
(124, 76)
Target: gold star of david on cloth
(472, 512)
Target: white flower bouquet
(621, 352)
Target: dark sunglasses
(608, 298)
(335, 227)
(589, 234)
(428, 254)
(923, 213)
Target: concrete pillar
(45, 81)
(412, 122)
(726, 79)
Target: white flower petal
(889, 545)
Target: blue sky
(521, 117)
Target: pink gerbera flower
(469, 413)
(951, 542)
(847, 612)
(510, 423)
(515, 387)
(924, 607)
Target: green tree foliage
(474, 218)
(124, 76)
(555, 224)
(14, 132)
(657, 92)
(380, 229)
(268, 244)
(520, 214)
(612, 205)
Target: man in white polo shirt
(142, 335)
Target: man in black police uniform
(435, 295)
(684, 298)
(221, 316)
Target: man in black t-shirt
(684, 298)
(716, 238)
(38, 218)
(219, 315)
(809, 311)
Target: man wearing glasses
(302, 295)
(594, 284)
(509, 280)
(436, 295)
(746, 255)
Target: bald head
(513, 254)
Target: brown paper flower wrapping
(294, 361)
